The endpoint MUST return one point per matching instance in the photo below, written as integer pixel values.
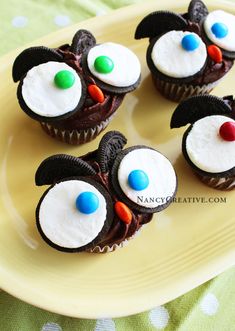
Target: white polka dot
(62, 20)
(209, 304)
(159, 317)
(105, 324)
(51, 327)
(19, 21)
(100, 12)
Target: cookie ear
(61, 166)
(109, 147)
(32, 57)
(196, 107)
(82, 41)
(159, 22)
(197, 11)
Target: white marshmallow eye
(146, 177)
(179, 54)
(219, 27)
(52, 89)
(114, 64)
(72, 214)
(210, 144)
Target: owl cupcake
(208, 145)
(74, 91)
(188, 54)
(97, 202)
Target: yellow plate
(184, 246)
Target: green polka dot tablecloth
(210, 307)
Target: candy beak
(215, 53)
(123, 212)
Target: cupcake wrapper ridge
(75, 137)
(223, 183)
(112, 248)
(176, 92)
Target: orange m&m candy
(96, 93)
(123, 212)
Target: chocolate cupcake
(208, 144)
(74, 91)
(188, 54)
(97, 202)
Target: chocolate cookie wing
(109, 147)
(159, 22)
(32, 57)
(61, 166)
(196, 107)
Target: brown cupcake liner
(111, 248)
(76, 137)
(219, 183)
(180, 92)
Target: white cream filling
(126, 69)
(170, 58)
(61, 221)
(161, 174)
(206, 149)
(219, 16)
(41, 94)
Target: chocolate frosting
(119, 230)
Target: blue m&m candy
(190, 42)
(220, 30)
(87, 202)
(138, 180)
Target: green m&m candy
(103, 64)
(64, 79)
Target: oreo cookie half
(104, 86)
(159, 22)
(144, 163)
(196, 107)
(82, 41)
(227, 54)
(48, 119)
(32, 57)
(63, 225)
(110, 145)
(227, 173)
(61, 166)
(197, 11)
(164, 77)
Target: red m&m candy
(227, 131)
